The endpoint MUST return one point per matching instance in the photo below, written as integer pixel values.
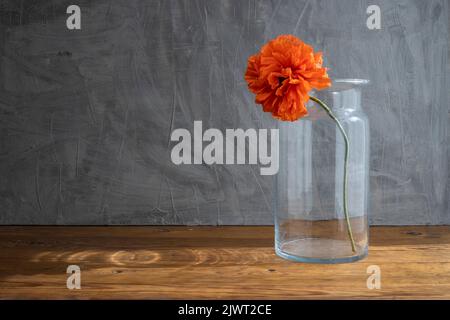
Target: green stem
(347, 218)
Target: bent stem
(332, 116)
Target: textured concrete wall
(448, 105)
(86, 115)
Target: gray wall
(86, 115)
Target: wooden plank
(213, 262)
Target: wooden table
(213, 262)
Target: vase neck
(345, 94)
(346, 99)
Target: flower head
(282, 74)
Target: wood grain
(212, 262)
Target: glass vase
(315, 182)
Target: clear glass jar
(310, 220)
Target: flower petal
(283, 73)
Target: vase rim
(354, 81)
(341, 85)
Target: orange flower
(282, 75)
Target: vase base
(319, 250)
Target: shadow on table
(51, 255)
(409, 235)
(46, 251)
